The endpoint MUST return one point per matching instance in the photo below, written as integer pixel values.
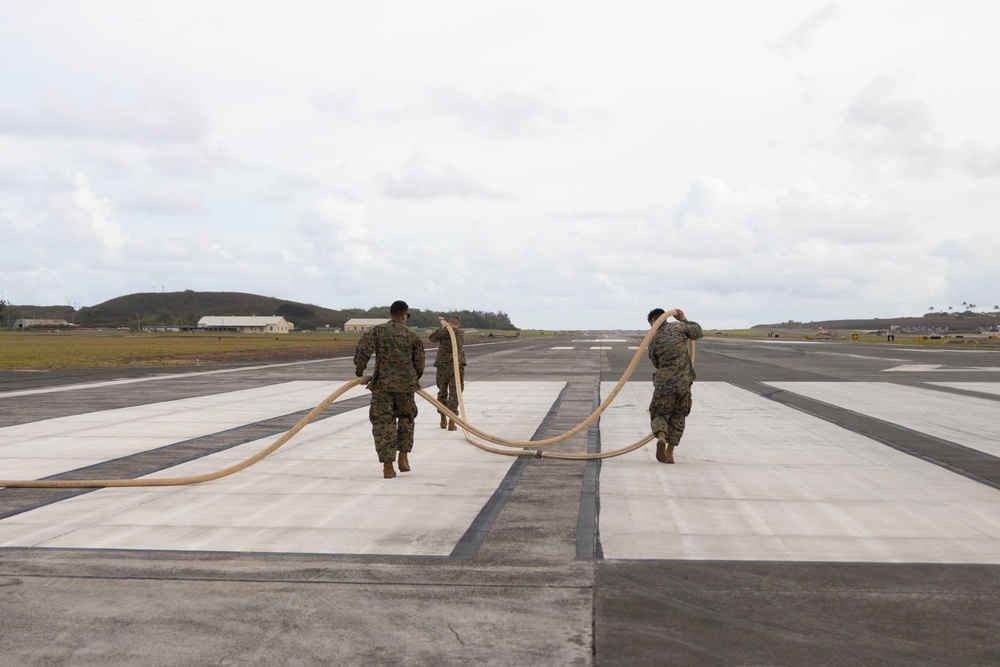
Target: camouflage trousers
(391, 414)
(447, 391)
(668, 410)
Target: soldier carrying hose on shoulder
(670, 353)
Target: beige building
(42, 324)
(356, 324)
(245, 324)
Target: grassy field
(40, 350)
(81, 349)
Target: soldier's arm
(691, 329)
(363, 352)
(418, 358)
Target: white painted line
(321, 493)
(756, 480)
(916, 368)
(43, 448)
(152, 378)
(923, 368)
(981, 387)
(563, 348)
(968, 421)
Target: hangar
(22, 324)
(357, 324)
(245, 324)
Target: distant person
(445, 364)
(670, 353)
(399, 363)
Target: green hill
(187, 307)
(965, 322)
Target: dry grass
(40, 350)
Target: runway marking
(42, 448)
(563, 348)
(601, 340)
(968, 421)
(757, 480)
(924, 368)
(859, 356)
(981, 387)
(321, 493)
(152, 378)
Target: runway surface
(833, 503)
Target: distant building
(43, 324)
(245, 324)
(363, 324)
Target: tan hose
(576, 429)
(180, 481)
(468, 428)
(526, 452)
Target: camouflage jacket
(399, 357)
(444, 353)
(669, 352)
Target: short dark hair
(456, 318)
(654, 315)
(398, 308)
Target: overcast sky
(572, 164)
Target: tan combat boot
(444, 421)
(661, 447)
(670, 453)
(451, 425)
(404, 464)
(387, 470)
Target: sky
(571, 164)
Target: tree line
(471, 319)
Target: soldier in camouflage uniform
(670, 353)
(399, 363)
(445, 364)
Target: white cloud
(166, 198)
(801, 33)
(507, 114)
(285, 186)
(152, 116)
(887, 126)
(982, 161)
(417, 178)
(191, 162)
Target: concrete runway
(833, 503)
